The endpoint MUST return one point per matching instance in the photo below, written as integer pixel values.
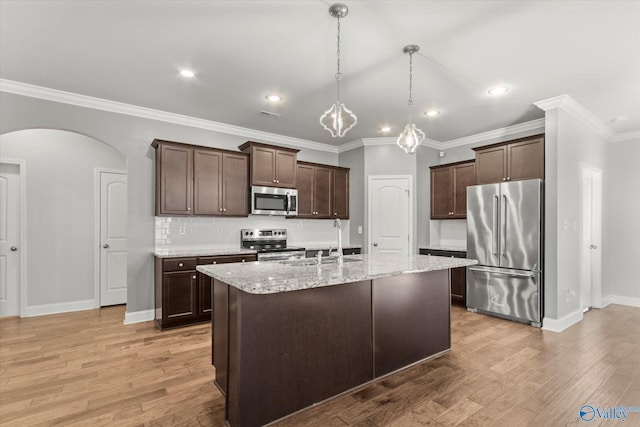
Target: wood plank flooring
(88, 369)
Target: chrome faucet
(338, 224)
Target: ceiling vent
(270, 114)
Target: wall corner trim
(559, 325)
(577, 111)
(131, 317)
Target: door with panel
(9, 239)
(113, 238)
(390, 214)
(207, 183)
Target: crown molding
(532, 125)
(568, 104)
(626, 136)
(78, 100)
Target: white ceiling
(131, 51)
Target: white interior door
(113, 238)
(590, 275)
(9, 239)
(390, 214)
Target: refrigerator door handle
(503, 243)
(506, 273)
(496, 224)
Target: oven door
(274, 201)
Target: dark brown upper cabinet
(193, 180)
(340, 193)
(271, 166)
(323, 191)
(510, 161)
(449, 189)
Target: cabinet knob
(508, 178)
(180, 265)
(215, 262)
(335, 214)
(194, 276)
(242, 260)
(220, 209)
(188, 208)
(504, 179)
(224, 210)
(274, 181)
(277, 181)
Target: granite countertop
(447, 248)
(268, 277)
(182, 252)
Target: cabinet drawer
(179, 264)
(225, 259)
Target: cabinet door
(207, 182)
(180, 299)
(441, 192)
(263, 163)
(204, 296)
(285, 169)
(174, 189)
(322, 192)
(526, 160)
(235, 182)
(458, 285)
(305, 191)
(341, 194)
(463, 176)
(491, 165)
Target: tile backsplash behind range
(215, 232)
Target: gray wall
(60, 217)
(621, 231)
(132, 137)
(354, 159)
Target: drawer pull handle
(181, 265)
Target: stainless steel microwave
(274, 201)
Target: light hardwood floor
(88, 369)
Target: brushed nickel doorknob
(106, 246)
(13, 249)
(375, 244)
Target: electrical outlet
(359, 229)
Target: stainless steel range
(271, 244)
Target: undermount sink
(314, 261)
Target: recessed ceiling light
(498, 90)
(385, 129)
(273, 98)
(432, 113)
(187, 73)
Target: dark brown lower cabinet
(183, 295)
(457, 278)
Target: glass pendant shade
(410, 138)
(338, 120)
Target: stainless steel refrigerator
(505, 235)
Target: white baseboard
(559, 325)
(603, 302)
(138, 316)
(617, 299)
(63, 307)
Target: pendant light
(411, 136)
(338, 119)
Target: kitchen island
(289, 334)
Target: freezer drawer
(515, 294)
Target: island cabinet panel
(290, 350)
(457, 277)
(219, 341)
(411, 319)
